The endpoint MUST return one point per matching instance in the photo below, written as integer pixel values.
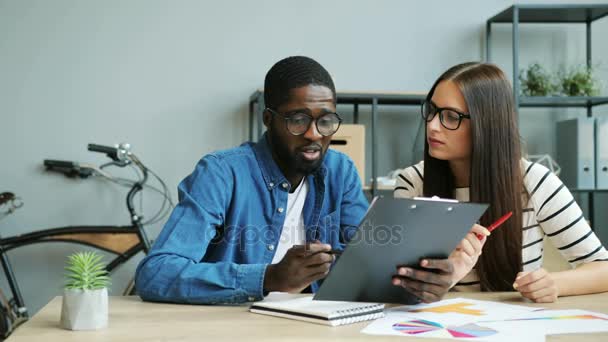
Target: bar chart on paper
(569, 317)
(552, 322)
(460, 308)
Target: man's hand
(299, 268)
(537, 286)
(429, 286)
(467, 253)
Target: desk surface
(134, 320)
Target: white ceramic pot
(84, 309)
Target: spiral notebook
(321, 312)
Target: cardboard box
(350, 140)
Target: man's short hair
(290, 73)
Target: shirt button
(271, 184)
(285, 185)
(280, 209)
(251, 299)
(270, 247)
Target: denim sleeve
(352, 209)
(172, 271)
(354, 204)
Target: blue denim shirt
(224, 232)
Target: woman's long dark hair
(496, 176)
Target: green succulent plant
(578, 81)
(86, 271)
(536, 81)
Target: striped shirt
(549, 211)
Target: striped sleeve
(560, 217)
(410, 182)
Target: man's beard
(295, 162)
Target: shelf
(562, 101)
(588, 190)
(582, 13)
(394, 98)
(366, 97)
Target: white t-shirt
(294, 232)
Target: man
(244, 213)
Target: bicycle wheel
(6, 323)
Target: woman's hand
(466, 254)
(538, 286)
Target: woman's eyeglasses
(449, 117)
(299, 123)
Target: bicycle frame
(122, 241)
(100, 237)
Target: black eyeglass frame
(438, 110)
(287, 117)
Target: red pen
(497, 223)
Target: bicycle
(122, 241)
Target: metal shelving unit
(571, 101)
(373, 99)
(547, 14)
(584, 14)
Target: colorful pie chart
(422, 326)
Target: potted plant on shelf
(578, 81)
(536, 81)
(85, 297)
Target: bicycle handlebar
(60, 164)
(121, 156)
(111, 152)
(68, 168)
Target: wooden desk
(134, 320)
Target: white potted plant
(85, 297)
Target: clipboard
(396, 231)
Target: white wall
(173, 79)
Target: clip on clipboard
(396, 232)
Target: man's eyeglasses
(449, 117)
(299, 123)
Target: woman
(472, 153)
